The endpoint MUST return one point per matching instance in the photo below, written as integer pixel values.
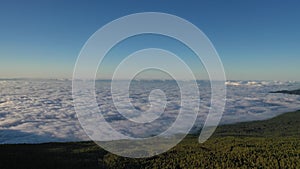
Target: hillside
(296, 92)
(284, 125)
(273, 143)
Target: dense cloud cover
(34, 111)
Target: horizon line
(104, 79)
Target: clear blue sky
(255, 39)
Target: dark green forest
(273, 143)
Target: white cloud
(42, 111)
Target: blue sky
(255, 39)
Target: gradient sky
(257, 40)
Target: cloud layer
(42, 110)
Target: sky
(256, 40)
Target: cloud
(42, 110)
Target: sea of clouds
(35, 111)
